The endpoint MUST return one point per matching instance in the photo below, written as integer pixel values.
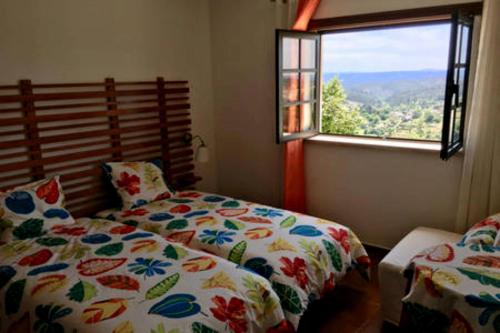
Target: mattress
(103, 276)
(303, 257)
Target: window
(298, 77)
(385, 82)
(401, 81)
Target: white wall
(334, 8)
(74, 40)
(380, 194)
(249, 162)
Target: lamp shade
(203, 154)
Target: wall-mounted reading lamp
(202, 154)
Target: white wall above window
(336, 8)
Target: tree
(339, 116)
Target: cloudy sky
(395, 49)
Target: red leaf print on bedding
(61, 229)
(284, 326)
(135, 212)
(486, 222)
(485, 261)
(129, 183)
(232, 313)
(254, 219)
(341, 236)
(35, 259)
(441, 253)
(49, 192)
(162, 196)
(329, 285)
(122, 229)
(189, 195)
(364, 261)
(295, 269)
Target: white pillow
(30, 210)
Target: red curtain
(294, 187)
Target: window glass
(290, 87)
(308, 86)
(308, 54)
(386, 83)
(290, 53)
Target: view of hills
(399, 104)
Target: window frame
(379, 26)
(280, 35)
(389, 19)
(448, 148)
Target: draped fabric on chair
(294, 185)
(480, 185)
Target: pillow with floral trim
(30, 210)
(484, 232)
(137, 183)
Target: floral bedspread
(101, 276)
(301, 255)
(455, 288)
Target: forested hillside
(384, 104)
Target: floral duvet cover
(455, 288)
(100, 276)
(301, 255)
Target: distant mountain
(393, 88)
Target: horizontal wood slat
(70, 129)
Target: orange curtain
(294, 187)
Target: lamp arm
(199, 138)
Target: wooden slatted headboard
(70, 129)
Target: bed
(101, 276)
(71, 130)
(454, 287)
(302, 256)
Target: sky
(382, 50)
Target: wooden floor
(354, 306)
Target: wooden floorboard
(354, 306)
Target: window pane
(308, 54)
(291, 119)
(290, 53)
(308, 86)
(307, 120)
(457, 50)
(387, 82)
(465, 41)
(456, 127)
(450, 130)
(290, 87)
(461, 81)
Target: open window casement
(452, 137)
(298, 83)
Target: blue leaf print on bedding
(96, 239)
(197, 213)
(20, 202)
(218, 237)
(140, 202)
(48, 268)
(176, 306)
(148, 267)
(306, 231)
(259, 265)
(267, 212)
(213, 198)
(158, 217)
(137, 235)
(6, 273)
(56, 212)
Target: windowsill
(376, 143)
